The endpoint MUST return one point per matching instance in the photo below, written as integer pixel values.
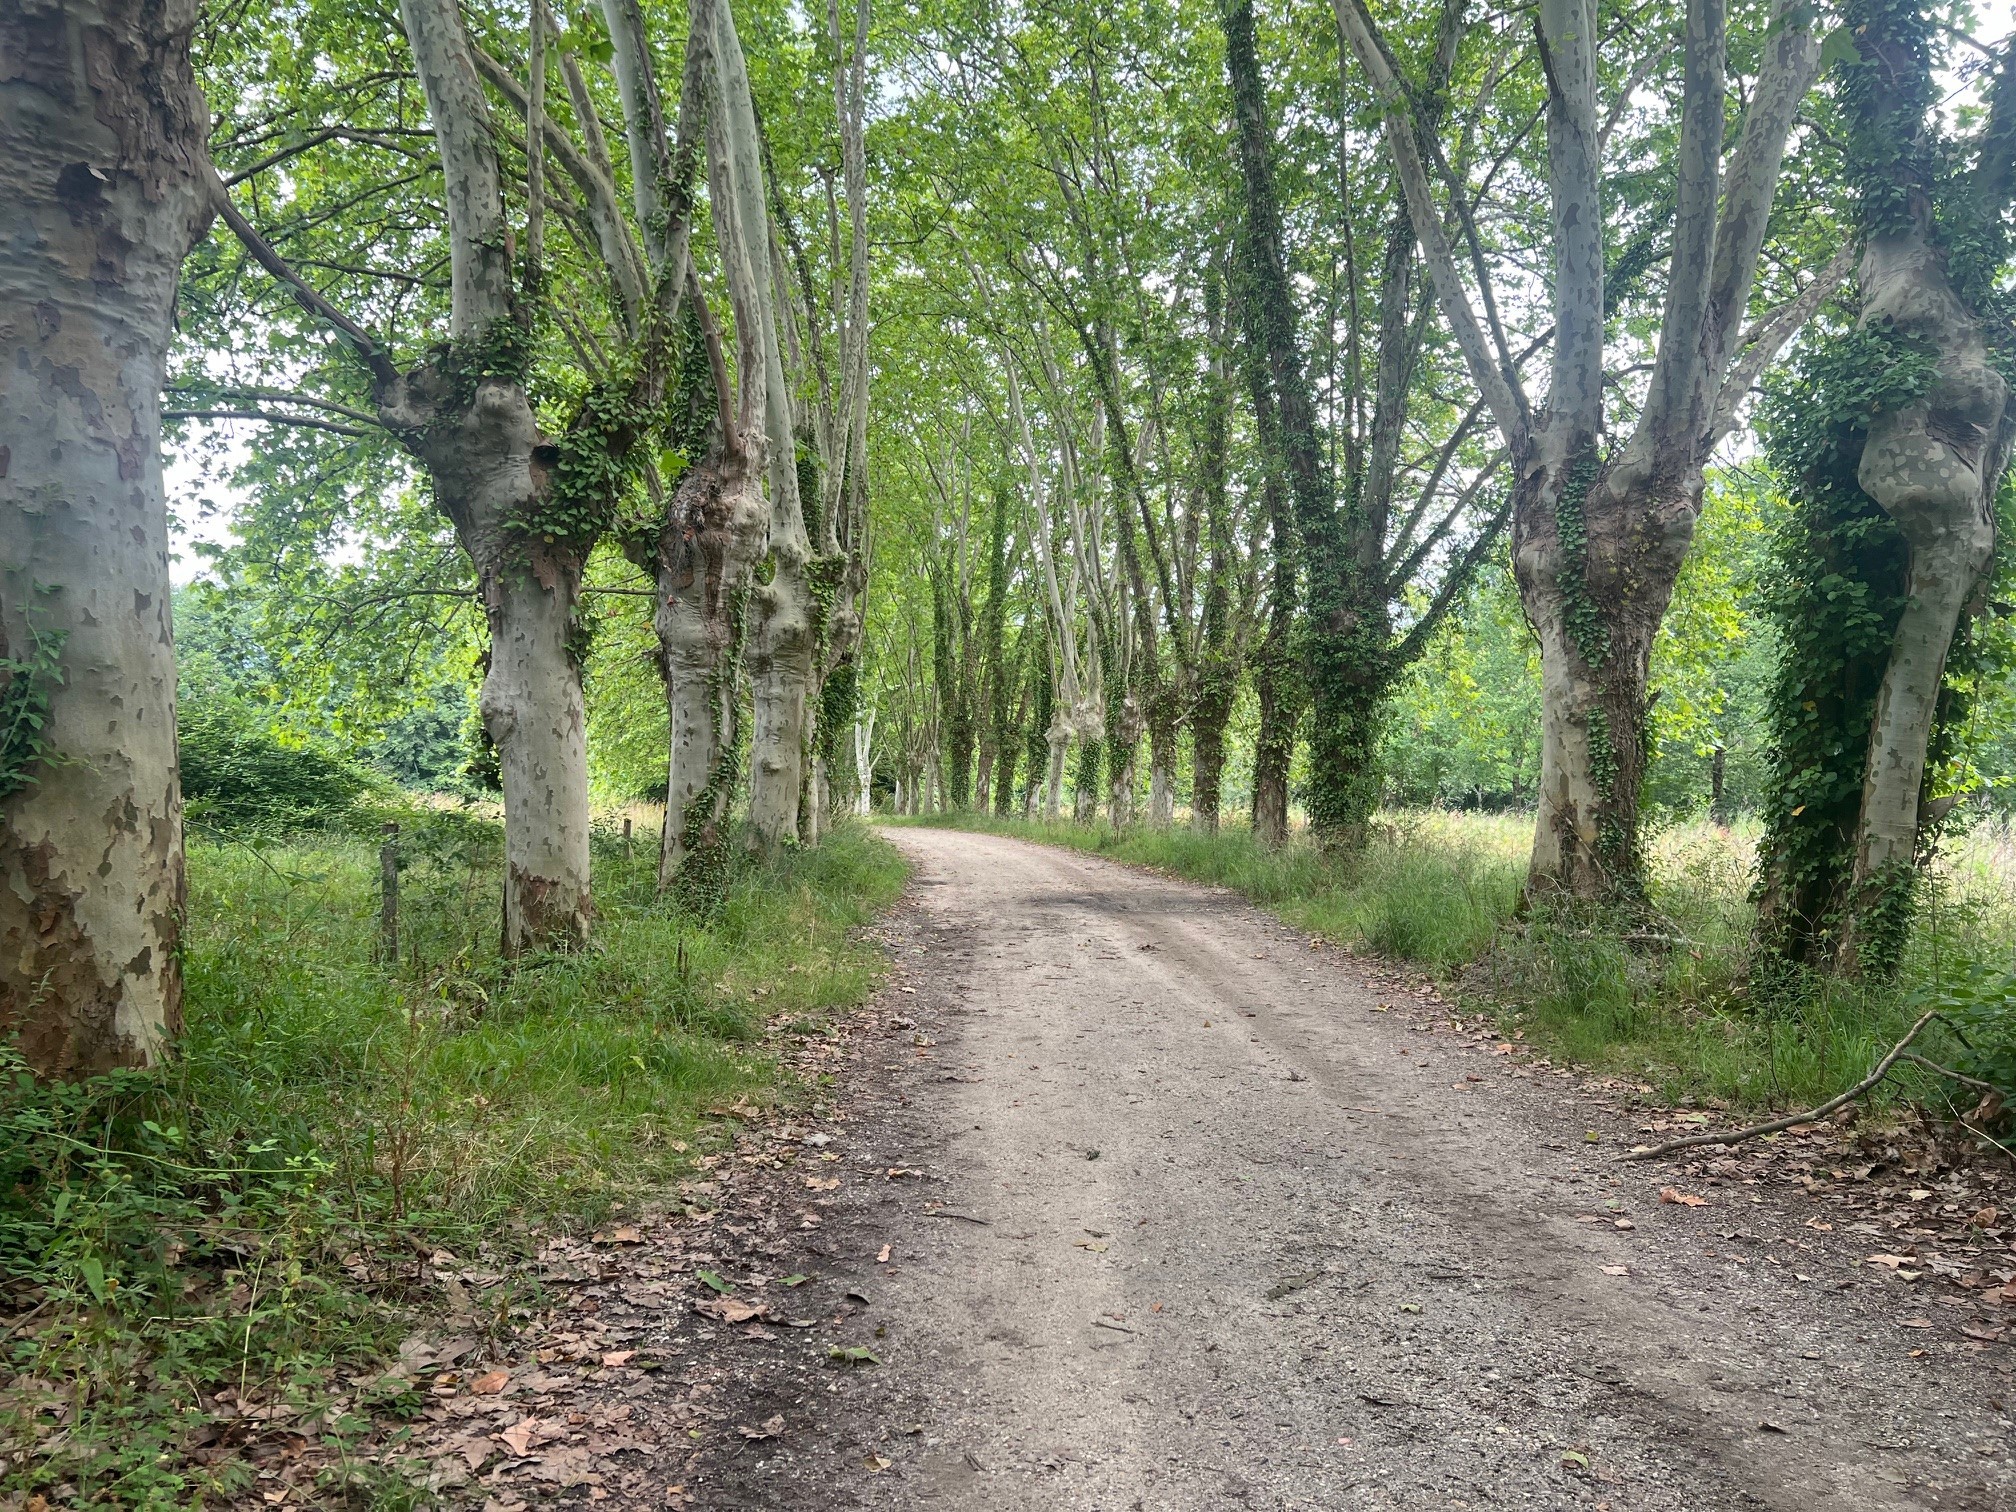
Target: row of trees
(440, 283)
(1246, 341)
(1218, 351)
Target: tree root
(1899, 1051)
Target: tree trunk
(1596, 568)
(106, 177)
(1934, 466)
(1085, 783)
(780, 675)
(701, 559)
(983, 775)
(1162, 773)
(1274, 747)
(1058, 740)
(781, 639)
(1207, 766)
(479, 452)
(1123, 753)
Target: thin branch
(1767, 337)
(305, 293)
(306, 421)
(1779, 1125)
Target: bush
(238, 772)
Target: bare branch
(1508, 403)
(304, 293)
(1768, 336)
(307, 421)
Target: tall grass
(1662, 1001)
(257, 1214)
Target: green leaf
(93, 1273)
(716, 1280)
(857, 1354)
(794, 1280)
(1838, 47)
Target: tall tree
(1895, 440)
(102, 162)
(1600, 531)
(1363, 549)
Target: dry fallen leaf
(624, 1235)
(1616, 1270)
(518, 1437)
(491, 1384)
(1097, 1246)
(1683, 1199)
(732, 1309)
(771, 1427)
(616, 1358)
(1914, 1322)
(876, 1464)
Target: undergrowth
(254, 1222)
(1665, 1003)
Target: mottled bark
(1598, 540)
(106, 182)
(780, 609)
(1934, 466)
(466, 415)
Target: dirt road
(1230, 1235)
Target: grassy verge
(1666, 1007)
(251, 1223)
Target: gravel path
(1233, 1236)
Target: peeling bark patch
(46, 958)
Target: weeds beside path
(208, 1268)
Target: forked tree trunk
(105, 179)
(479, 452)
(1598, 542)
(780, 610)
(465, 414)
(1934, 466)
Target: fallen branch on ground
(1779, 1125)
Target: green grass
(254, 1215)
(1663, 1005)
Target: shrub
(238, 772)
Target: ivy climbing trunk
(1598, 538)
(106, 181)
(702, 560)
(781, 640)
(466, 416)
(1933, 464)
(1346, 628)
